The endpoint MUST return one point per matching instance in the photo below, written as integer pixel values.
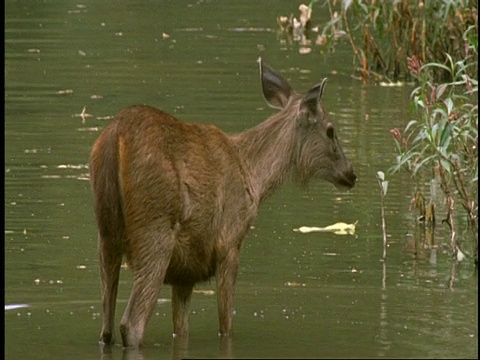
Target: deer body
(177, 199)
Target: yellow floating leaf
(339, 228)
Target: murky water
(298, 295)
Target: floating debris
(395, 84)
(191, 29)
(89, 129)
(304, 50)
(163, 301)
(250, 29)
(204, 292)
(339, 228)
(65, 92)
(15, 306)
(83, 114)
(68, 166)
(105, 117)
(294, 284)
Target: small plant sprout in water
(383, 192)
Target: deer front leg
(226, 275)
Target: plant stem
(384, 226)
(450, 222)
(361, 59)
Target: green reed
(384, 33)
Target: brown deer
(177, 199)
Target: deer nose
(351, 177)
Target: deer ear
(276, 89)
(314, 95)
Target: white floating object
(15, 306)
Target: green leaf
(346, 4)
(440, 90)
(419, 165)
(419, 102)
(433, 133)
(421, 135)
(404, 159)
(449, 103)
(410, 124)
(446, 165)
(445, 137)
(441, 66)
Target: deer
(176, 199)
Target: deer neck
(268, 151)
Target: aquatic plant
(383, 184)
(441, 143)
(384, 33)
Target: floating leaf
(339, 228)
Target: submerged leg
(226, 275)
(180, 347)
(150, 255)
(110, 263)
(181, 296)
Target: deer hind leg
(181, 296)
(226, 275)
(149, 255)
(110, 263)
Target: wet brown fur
(177, 199)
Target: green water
(314, 295)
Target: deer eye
(330, 131)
